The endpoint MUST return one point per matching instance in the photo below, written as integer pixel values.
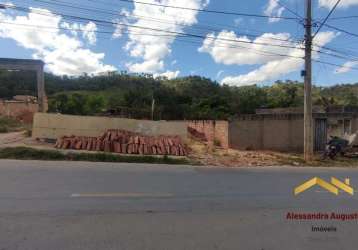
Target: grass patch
(8, 124)
(24, 153)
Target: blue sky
(72, 46)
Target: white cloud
(149, 66)
(89, 32)
(343, 4)
(168, 74)
(346, 67)
(63, 53)
(273, 9)
(151, 50)
(272, 66)
(229, 49)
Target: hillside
(190, 97)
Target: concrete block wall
(222, 133)
(246, 134)
(281, 133)
(53, 126)
(213, 131)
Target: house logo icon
(332, 187)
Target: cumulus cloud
(63, 53)
(229, 49)
(346, 67)
(151, 50)
(273, 9)
(272, 66)
(343, 4)
(88, 30)
(168, 74)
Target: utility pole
(308, 119)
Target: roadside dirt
(199, 152)
(9, 139)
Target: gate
(320, 134)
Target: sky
(114, 35)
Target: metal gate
(320, 134)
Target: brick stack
(196, 134)
(125, 142)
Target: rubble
(125, 142)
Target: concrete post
(28, 64)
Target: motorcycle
(335, 146)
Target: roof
(21, 61)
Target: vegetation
(190, 97)
(24, 153)
(8, 124)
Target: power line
(288, 9)
(27, 10)
(174, 34)
(340, 30)
(210, 29)
(325, 20)
(225, 45)
(334, 64)
(226, 26)
(65, 4)
(171, 34)
(344, 53)
(209, 11)
(343, 17)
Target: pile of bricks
(125, 142)
(195, 134)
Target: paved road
(76, 205)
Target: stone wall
(215, 132)
(53, 126)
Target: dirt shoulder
(199, 154)
(238, 158)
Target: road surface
(79, 205)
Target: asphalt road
(77, 205)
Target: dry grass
(238, 158)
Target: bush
(3, 129)
(8, 124)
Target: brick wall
(212, 131)
(23, 111)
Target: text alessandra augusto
(322, 216)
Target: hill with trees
(191, 97)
